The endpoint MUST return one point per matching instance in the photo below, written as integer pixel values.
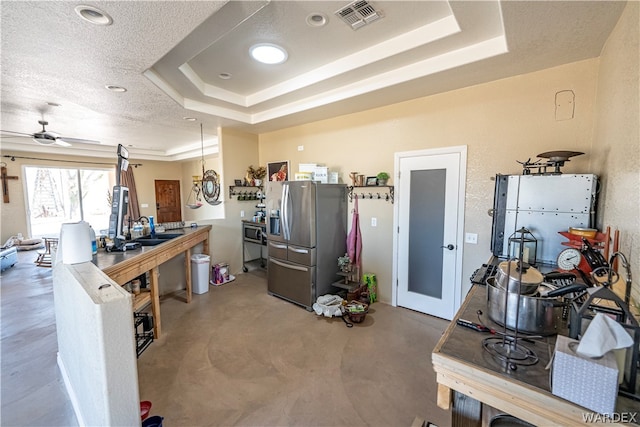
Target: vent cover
(358, 14)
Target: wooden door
(168, 201)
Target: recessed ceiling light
(189, 119)
(114, 88)
(317, 20)
(268, 53)
(93, 15)
(224, 76)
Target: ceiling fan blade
(77, 140)
(12, 133)
(61, 142)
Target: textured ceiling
(169, 56)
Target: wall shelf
(245, 193)
(374, 192)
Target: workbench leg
(443, 398)
(187, 273)
(155, 303)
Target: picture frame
(371, 180)
(237, 182)
(278, 171)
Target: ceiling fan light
(44, 138)
(268, 53)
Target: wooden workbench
(123, 267)
(465, 372)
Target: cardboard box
(592, 383)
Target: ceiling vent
(358, 14)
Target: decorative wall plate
(211, 187)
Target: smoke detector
(358, 14)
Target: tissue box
(592, 383)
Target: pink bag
(354, 238)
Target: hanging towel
(354, 238)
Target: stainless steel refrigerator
(306, 233)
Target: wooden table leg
(443, 398)
(155, 303)
(187, 267)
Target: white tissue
(603, 335)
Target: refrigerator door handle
(300, 251)
(289, 266)
(275, 245)
(285, 202)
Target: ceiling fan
(46, 137)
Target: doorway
(168, 207)
(429, 224)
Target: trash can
(200, 273)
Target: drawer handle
(299, 251)
(275, 245)
(289, 266)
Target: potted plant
(256, 175)
(344, 262)
(383, 177)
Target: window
(59, 195)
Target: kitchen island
(123, 267)
(468, 376)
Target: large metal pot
(536, 314)
(518, 278)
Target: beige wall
(616, 146)
(500, 122)
(238, 150)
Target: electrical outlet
(144, 205)
(471, 238)
(241, 214)
(300, 147)
(374, 222)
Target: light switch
(374, 222)
(300, 147)
(144, 205)
(471, 238)
(241, 214)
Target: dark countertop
(104, 260)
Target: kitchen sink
(157, 239)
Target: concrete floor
(234, 356)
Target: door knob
(449, 246)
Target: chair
(44, 256)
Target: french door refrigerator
(306, 233)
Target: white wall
(96, 346)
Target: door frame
(462, 151)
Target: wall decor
(372, 180)
(278, 171)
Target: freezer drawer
(301, 255)
(293, 282)
(276, 250)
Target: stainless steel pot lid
(529, 274)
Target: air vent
(358, 14)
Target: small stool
(44, 256)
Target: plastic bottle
(152, 226)
(94, 242)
